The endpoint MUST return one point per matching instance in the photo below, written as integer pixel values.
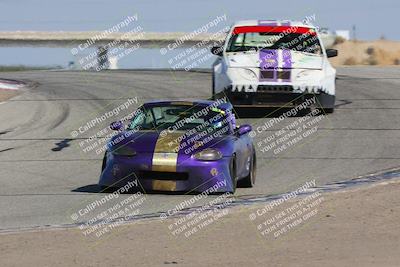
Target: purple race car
(190, 146)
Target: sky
(373, 19)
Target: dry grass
(381, 52)
(350, 61)
(339, 40)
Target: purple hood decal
(270, 69)
(145, 142)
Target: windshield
(180, 118)
(256, 39)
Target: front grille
(275, 88)
(163, 175)
(273, 74)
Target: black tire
(103, 188)
(232, 170)
(103, 165)
(327, 103)
(328, 110)
(250, 179)
(323, 111)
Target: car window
(182, 117)
(302, 42)
(143, 120)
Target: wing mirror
(331, 52)
(217, 50)
(244, 129)
(116, 125)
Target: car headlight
(208, 154)
(123, 150)
(250, 74)
(242, 74)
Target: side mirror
(331, 52)
(116, 125)
(217, 50)
(244, 129)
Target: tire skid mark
(385, 175)
(62, 117)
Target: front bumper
(191, 175)
(275, 96)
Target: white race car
(274, 62)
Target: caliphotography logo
(199, 133)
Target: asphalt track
(46, 176)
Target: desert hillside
(380, 52)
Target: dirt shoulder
(351, 228)
(7, 94)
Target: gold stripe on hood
(165, 153)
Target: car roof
(272, 23)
